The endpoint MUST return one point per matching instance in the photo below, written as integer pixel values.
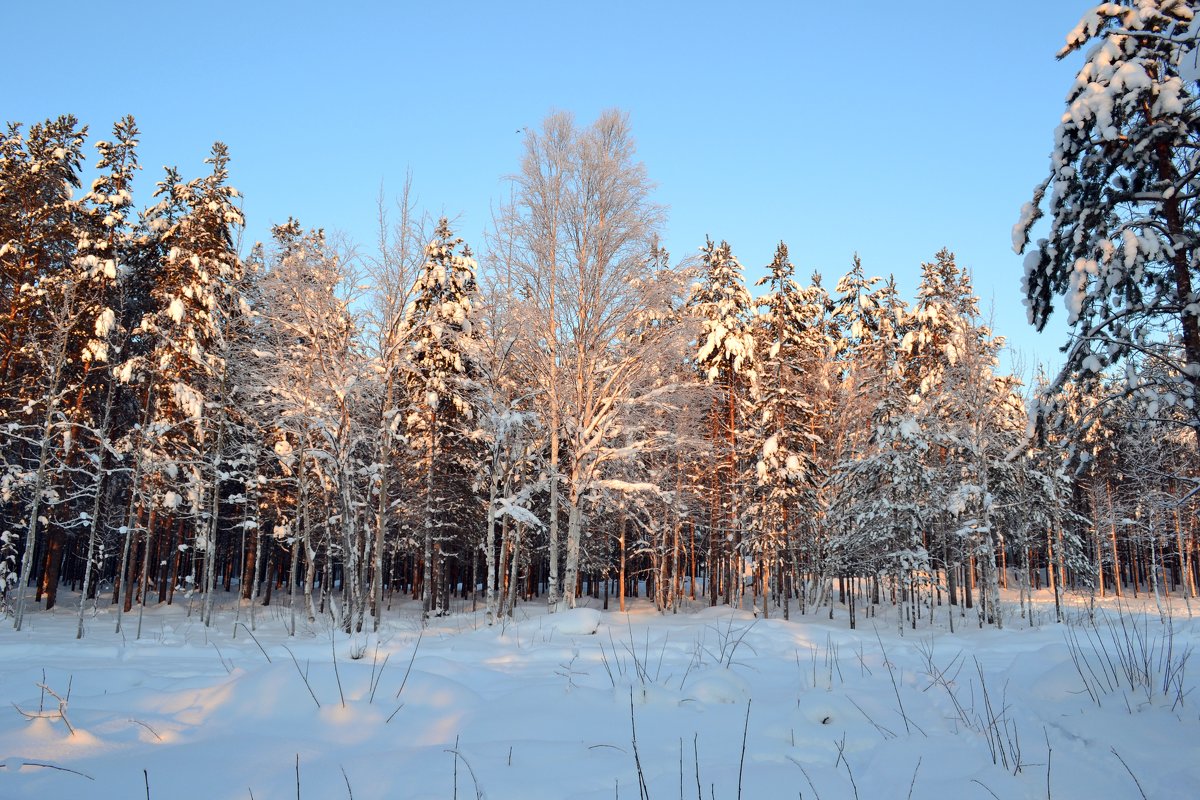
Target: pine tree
(38, 232)
(945, 298)
(823, 390)
(884, 486)
(725, 357)
(783, 421)
(1122, 244)
(965, 410)
(194, 295)
(107, 247)
(45, 311)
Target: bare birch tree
(583, 226)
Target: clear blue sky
(890, 129)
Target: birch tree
(393, 269)
(583, 225)
(317, 374)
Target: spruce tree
(440, 406)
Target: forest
(569, 413)
(554, 512)
(565, 411)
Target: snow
(910, 429)
(1078, 289)
(1171, 98)
(105, 322)
(1020, 231)
(541, 706)
(175, 310)
(771, 446)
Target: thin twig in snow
(45, 765)
(479, 795)
(147, 727)
(989, 791)
(228, 667)
(255, 638)
(913, 782)
(1049, 752)
(895, 688)
(1127, 769)
(411, 659)
(643, 791)
(742, 760)
(303, 677)
(336, 674)
(841, 748)
(807, 777)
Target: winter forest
(374, 445)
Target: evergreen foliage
(177, 417)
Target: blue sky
(887, 129)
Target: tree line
(569, 414)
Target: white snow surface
(540, 707)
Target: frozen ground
(545, 707)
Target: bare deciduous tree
(583, 225)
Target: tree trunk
(621, 569)
(489, 552)
(39, 485)
(97, 506)
(552, 550)
(502, 576)
(1185, 558)
(574, 540)
(514, 572)
(145, 576)
(428, 590)
(56, 540)
(381, 511)
(1112, 530)
(214, 521)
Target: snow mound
(546, 628)
(718, 685)
(573, 622)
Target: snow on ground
(546, 706)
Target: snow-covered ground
(724, 705)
